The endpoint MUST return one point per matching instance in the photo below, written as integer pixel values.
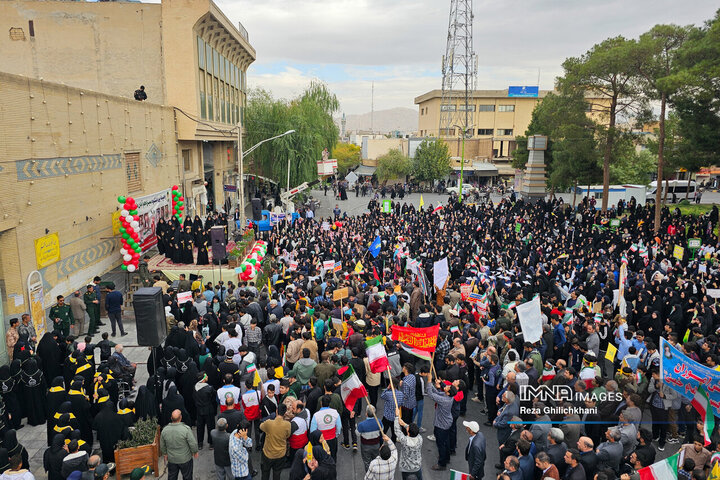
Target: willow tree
(310, 115)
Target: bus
(677, 190)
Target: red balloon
(135, 256)
(175, 187)
(182, 207)
(181, 199)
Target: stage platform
(210, 273)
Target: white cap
(473, 426)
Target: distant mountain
(383, 121)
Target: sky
(398, 44)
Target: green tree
(658, 59)
(347, 156)
(392, 165)
(607, 72)
(432, 160)
(310, 115)
(633, 166)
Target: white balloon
(123, 251)
(124, 213)
(127, 257)
(131, 268)
(135, 224)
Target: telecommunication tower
(459, 69)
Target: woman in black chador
(160, 230)
(186, 244)
(202, 245)
(33, 383)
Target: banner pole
(392, 387)
(367, 399)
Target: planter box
(127, 459)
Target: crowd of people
(189, 242)
(249, 366)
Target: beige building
(74, 138)
(187, 54)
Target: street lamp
(241, 157)
(462, 157)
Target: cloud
(399, 44)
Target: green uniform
(93, 310)
(63, 313)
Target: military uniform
(63, 313)
(93, 310)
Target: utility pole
(372, 107)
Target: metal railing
(243, 31)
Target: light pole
(462, 158)
(241, 157)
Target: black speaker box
(217, 242)
(257, 209)
(149, 316)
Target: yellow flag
(269, 286)
(279, 372)
(715, 472)
(422, 201)
(256, 380)
(611, 352)
(358, 267)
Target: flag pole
(367, 399)
(392, 387)
(432, 365)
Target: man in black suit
(475, 453)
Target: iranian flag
(437, 209)
(423, 354)
(352, 388)
(701, 402)
(662, 470)
(377, 357)
(455, 475)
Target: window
(448, 132)
(505, 132)
(209, 59)
(201, 87)
(486, 108)
(132, 172)
(470, 108)
(506, 108)
(201, 53)
(588, 107)
(448, 108)
(187, 160)
(485, 131)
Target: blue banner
(523, 91)
(683, 375)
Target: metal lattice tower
(459, 69)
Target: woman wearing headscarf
(8, 391)
(65, 422)
(202, 241)
(4, 460)
(35, 391)
(126, 412)
(101, 400)
(160, 234)
(81, 407)
(197, 229)
(177, 251)
(145, 403)
(322, 466)
(14, 447)
(18, 391)
(56, 396)
(173, 401)
(154, 359)
(22, 349)
(110, 430)
(53, 457)
(186, 246)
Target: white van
(677, 190)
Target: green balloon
(138, 249)
(123, 266)
(252, 261)
(243, 268)
(125, 236)
(122, 230)
(133, 212)
(180, 203)
(121, 199)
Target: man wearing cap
(102, 472)
(475, 453)
(139, 472)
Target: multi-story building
(74, 139)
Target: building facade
(74, 139)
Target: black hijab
(145, 403)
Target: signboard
(327, 167)
(151, 208)
(341, 294)
(229, 188)
(37, 305)
(329, 264)
(518, 227)
(465, 290)
(183, 297)
(523, 91)
(678, 252)
(293, 265)
(614, 222)
(47, 250)
(694, 243)
(116, 222)
(387, 206)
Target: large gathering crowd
(261, 367)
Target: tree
(347, 156)
(658, 53)
(571, 156)
(392, 165)
(607, 72)
(310, 115)
(432, 160)
(633, 166)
